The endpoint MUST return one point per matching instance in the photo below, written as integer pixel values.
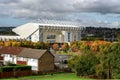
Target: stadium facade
(50, 31)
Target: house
(40, 60)
(9, 54)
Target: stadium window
(51, 36)
(69, 37)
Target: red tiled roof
(10, 50)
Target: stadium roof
(27, 29)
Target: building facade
(49, 32)
(39, 60)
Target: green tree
(115, 60)
(109, 57)
(40, 45)
(84, 64)
(65, 47)
(102, 69)
(118, 37)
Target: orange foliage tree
(55, 46)
(65, 47)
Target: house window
(69, 37)
(21, 59)
(10, 55)
(34, 68)
(51, 36)
(7, 55)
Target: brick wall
(15, 74)
(46, 63)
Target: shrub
(12, 68)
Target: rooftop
(57, 23)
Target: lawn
(60, 76)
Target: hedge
(12, 68)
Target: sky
(98, 13)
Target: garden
(58, 76)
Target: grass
(60, 76)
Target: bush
(12, 68)
(11, 64)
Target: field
(60, 76)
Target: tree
(109, 57)
(115, 60)
(8, 43)
(55, 47)
(118, 37)
(40, 45)
(65, 47)
(15, 44)
(73, 61)
(102, 69)
(1, 43)
(84, 64)
(47, 45)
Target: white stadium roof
(57, 23)
(26, 30)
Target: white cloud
(58, 9)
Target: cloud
(57, 9)
(99, 6)
(36, 8)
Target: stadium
(48, 31)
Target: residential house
(40, 60)
(9, 54)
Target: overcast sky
(105, 13)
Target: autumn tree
(109, 57)
(65, 47)
(15, 44)
(1, 43)
(55, 47)
(8, 43)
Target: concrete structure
(9, 37)
(51, 31)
